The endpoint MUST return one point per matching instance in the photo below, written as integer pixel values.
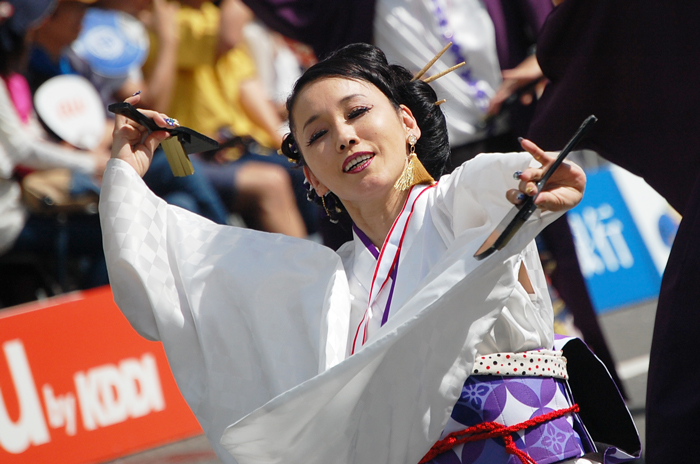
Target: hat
(113, 43)
(20, 15)
(70, 107)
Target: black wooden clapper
(183, 140)
(517, 216)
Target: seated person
(23, 144)
(51, 56)
(217, 92)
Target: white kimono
(256, 326)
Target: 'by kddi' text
(104, 395)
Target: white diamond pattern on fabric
(233, 336)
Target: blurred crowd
(219, 69)
(212, 66)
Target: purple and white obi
(512, 399)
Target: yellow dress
(206, 95)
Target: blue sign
(614, 258)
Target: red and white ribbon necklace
(387, 261)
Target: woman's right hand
(132, 142)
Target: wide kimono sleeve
(389, 402)
(242, 315)
(469, 204)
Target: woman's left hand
(563, 190)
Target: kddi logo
(105, 395)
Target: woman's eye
(315, 136)
(357, 112)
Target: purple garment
(322, 24)
(517, 24)
(634, 64)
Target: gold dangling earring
(323, 202)
(414, 173)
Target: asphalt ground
(628, 331)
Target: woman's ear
(321, 189)
(409, 121)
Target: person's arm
(234, 16)
(24, 146)
(157, 89)
(532, 14)
(260, 109)
(515, 79)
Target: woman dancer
(359, 356)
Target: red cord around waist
(488, 430)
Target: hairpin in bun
(430, 79)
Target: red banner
(78, 385)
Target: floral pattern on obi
(510, 401)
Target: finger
(528, 182)
(159, 118)
(539, 88)
(496, 102)
(162, 120)
(154, 139)
(564, 200)
(134, 99)
(494, 108)
(528, 176)
(120, 120)
(515, 196)
(543, 200)
(540, 155)
(127, 131)
(134, 132)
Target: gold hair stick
(420, 73)
(440, 102)
(430, 79)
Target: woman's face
(352, 138)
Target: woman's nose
(350, 142)
(346, 138)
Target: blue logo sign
(613, 257)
